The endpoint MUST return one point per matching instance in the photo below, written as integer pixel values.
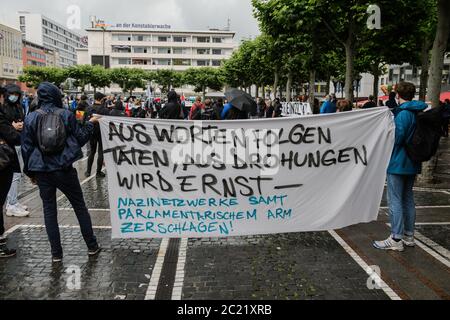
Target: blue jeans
(402, 208)
(11, 200)
(66, 181)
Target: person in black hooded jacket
(9, 135)
(55, 171)
(118, 109)
(172, 109)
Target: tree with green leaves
(33, 76)
(204, 78)
(168, 79)
(83, 75)
(129, 79)
(100, 77)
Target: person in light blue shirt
(329, 105)
(225, 111)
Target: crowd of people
(43, 135)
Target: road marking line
(12, 229)
(437, 251)
(156, 273)
(424, 207)
(179, 275)
(93, 210)
(432, 223)
(383, 285)
(431, 190)
(37, 226)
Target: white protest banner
(229, 178)
(296, 109)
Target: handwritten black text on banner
(207, 179)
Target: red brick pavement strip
(414, 274)
(403, 295)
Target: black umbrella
(241, 100)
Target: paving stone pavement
(121, 271)
(437, 233)
(281, 267)
(307, 266)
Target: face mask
(13, 98)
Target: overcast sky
(180, 14)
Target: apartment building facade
(11, 65)
(45, 32)
(157, 49)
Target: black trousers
(94, 142)
(66, 181)
(6, 177)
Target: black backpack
(425, 140)
(51, 132)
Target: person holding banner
(54, 169)
(402, 172)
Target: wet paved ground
(309, 266)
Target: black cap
(99, 96)
(2, 91)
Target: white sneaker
(409, 241)
(21, 206)
(389, 244)
(16, 211)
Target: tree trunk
(435, 79)
(349, 73)
(438, 51)
(257, 92)
(425, 66)
(275, 84)
(312, 87)
(263, 92)
(349, 64)
(289, 87)
(327, 86)
(376, 80)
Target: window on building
(121, 49)
(203, 51)
(203, 39)
(216, 63)
(181, 62)
(124, 61)
(141, 61)
(163, 51)
(140, 49)
(217, 40)
(217, 51)
(180, 50)
(98, 61)
(138, 38)
(122, 37)
(179, 39)
(162, 62)
(163, 39)
(202, 63)
(22, 20)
